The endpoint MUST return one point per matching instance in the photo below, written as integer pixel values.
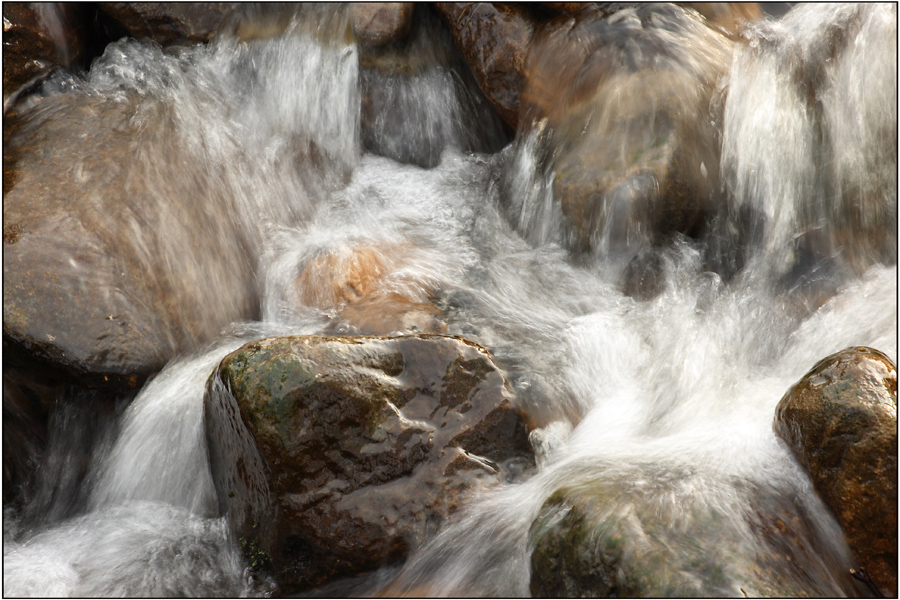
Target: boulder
(494, 40)
(106, 276)
(333, 456)
(624, 101)
(170, 22)
(37, 37)
(840, 421)
(380, 23)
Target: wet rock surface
(625, 98)
(170, 22)
(334, 456)
(101, 267)
(494, 39)
(840, 420)
(379, 23)
(37, 38)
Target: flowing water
(667, 402)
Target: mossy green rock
(336, 455)
(840, 420)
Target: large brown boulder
(38, 37)
(494, 39)
(105, 274)
(170, 22)
(840, 420)
(333, 456)
(625, 101)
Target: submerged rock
(626, 101)
(649, 535)
(840, 420)
(334, 456)
(170, 22)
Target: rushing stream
(665, 404)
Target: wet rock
(624, 105)
(494, 40)
(418, 97)
(170, 22)
(379, 23)
(644, 536)
(37, 38)
(840, 420)
(728, 16)
(105, 274)
(336, 456)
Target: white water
(670, 401)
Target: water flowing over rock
(625, 101)
(38, 37)
(104, 190)
(171, 22)
(730, 16)
(840, 420)
(334, 456)
(418, 98)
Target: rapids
(668, 401)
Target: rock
(170, 22)
(630, 136)
(336, 456)
(37, 38)
(107, 273)
(367, 290)
(494, 40)
(840, 420)
(642, 535)
(380, 23)
(728, 16)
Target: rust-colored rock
(38, 37)
(334, 456)
(366, 289)
(626, 102)
(494, 39)
(170, 22)
(840, 420)
(380, 23)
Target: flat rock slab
(337, 455)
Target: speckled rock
(334, 456)
(840, 420)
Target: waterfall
(662, 405)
